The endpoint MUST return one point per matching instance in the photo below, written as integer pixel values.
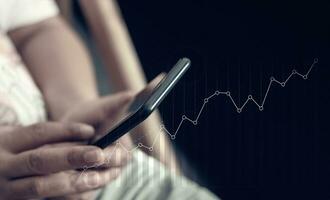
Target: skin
(58, 62)
(62, 69)
(32, 171)
(43, 162)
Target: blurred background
(282, 152)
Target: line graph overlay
(194, 120)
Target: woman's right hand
(30, 167)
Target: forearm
(58, 62)
(125, 71)
(62, 69)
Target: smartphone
(145, 103)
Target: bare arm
(58, 62)
(124, 69)
(62, 69)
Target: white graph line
(206, 100)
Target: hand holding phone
(145, 103)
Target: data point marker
(217, 92)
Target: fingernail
(113, 173)
(117, 172)
(86, 129)
(93, 156)
(83, 131)
(93, 180)
(129, 156)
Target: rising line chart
(194, 120)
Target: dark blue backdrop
(280, 153)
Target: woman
(54, 82)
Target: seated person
(49, 107)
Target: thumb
(114, 104)
(98, 110)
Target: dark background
(282, 152)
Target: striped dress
(21, 102)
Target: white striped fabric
(21, 102)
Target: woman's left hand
(103, 113)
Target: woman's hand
(102, 114)
(99, 110)
(32, 166)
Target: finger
(142, 95)
(65, 144)
(112, 104)
(154, 82)
(82, 196)
(105, 107)
(61, 184)
(4, 129)
(116, 156)
(49, 160)
(34, 136)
